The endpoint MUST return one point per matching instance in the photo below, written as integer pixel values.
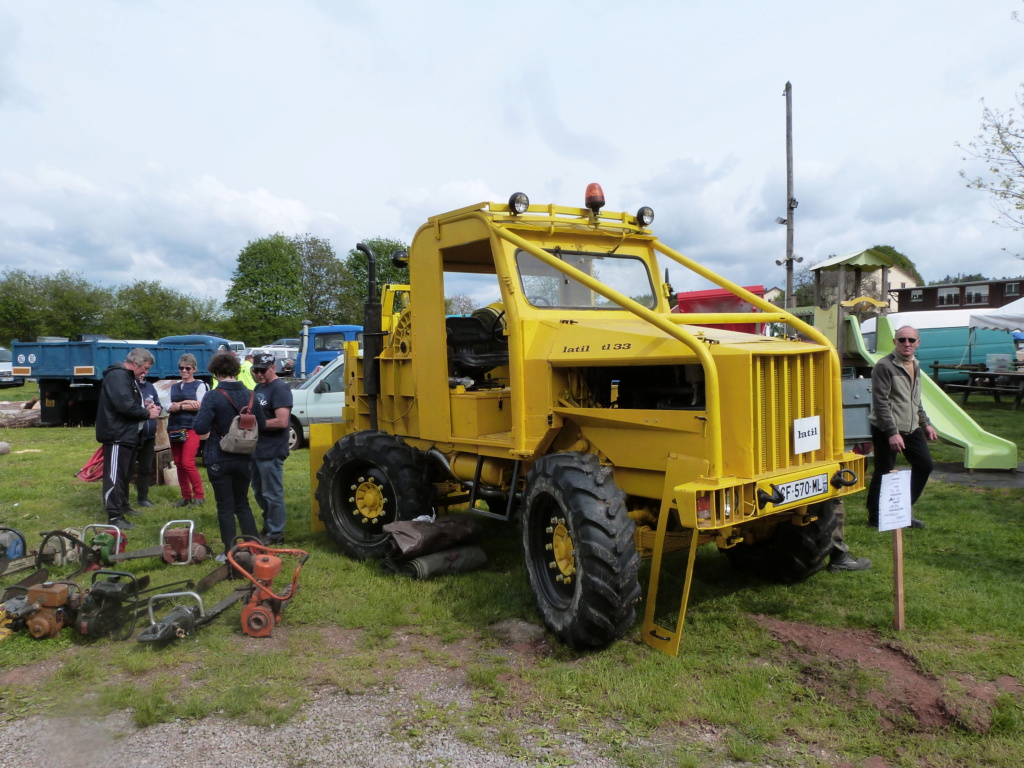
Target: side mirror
(322, 387)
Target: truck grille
(787, 387)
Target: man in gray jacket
(899, 423)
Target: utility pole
(790, 200)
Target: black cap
(266, 360)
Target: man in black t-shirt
(267, 467)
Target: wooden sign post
(894, 515)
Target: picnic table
(995, 383)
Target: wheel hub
(563, 549)
(368, 499)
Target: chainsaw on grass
(91, 552)
(114, 601)
(250, 560)
(186, 618)
(178, 546)
(15, 555)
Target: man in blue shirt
(275, 397)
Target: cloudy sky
(152, 139)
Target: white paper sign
(806, 434)
(894, 501)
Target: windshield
(334, 376)
(545, 286)
(5, 355)
(332, 342)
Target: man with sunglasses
(899, 423)
(267, 466)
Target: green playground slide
(982, 450)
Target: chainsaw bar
(184, 620)
(31, 580)
(138, 554)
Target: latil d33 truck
(579, 406)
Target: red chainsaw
(178, 546)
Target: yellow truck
(581, 407)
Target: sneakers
(131, 511)
(847, 562)
(182, 503)
(120, 522)
(273, 541)
(915, 523)
(221, 558)
(145, 503)
(197, 502)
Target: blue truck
(322, 343)
(70, 373)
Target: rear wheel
(369, 479)
(579, 549)
(788, 553)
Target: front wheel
(785, 552)
(369, 479)
(579, 549)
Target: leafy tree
(324, 278)
(147, 310)
(901, 261)
(72, 305)
(21, 306)
(459, 304)
(265, 297)
(1000, 145)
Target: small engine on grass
(44, 609)
(263, 607)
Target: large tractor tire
(369, 479)
(580, 554)
(789, 553)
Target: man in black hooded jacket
(120, 416)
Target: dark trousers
(118, 461)
(229, 478)
(916, 452)
(145, 468)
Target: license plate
(807, 488)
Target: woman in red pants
(186, 397)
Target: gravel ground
(335, 730)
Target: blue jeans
(268, 487)
(229, 478)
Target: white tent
(1006, 318)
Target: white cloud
(154, 140)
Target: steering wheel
(497, 331)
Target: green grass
(733, 694)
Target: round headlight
(645, 216)
(519, 203)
